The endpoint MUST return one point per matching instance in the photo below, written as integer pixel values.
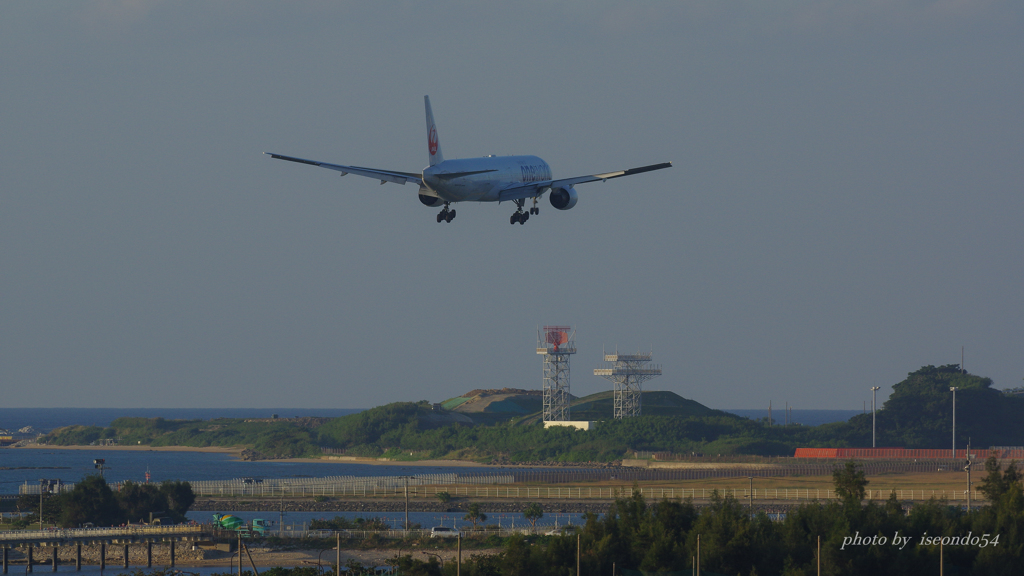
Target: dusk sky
(845, 204)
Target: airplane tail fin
(433, 145)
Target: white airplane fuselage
(481, 179)
(487, 179)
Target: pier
(126, 537)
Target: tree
(533, 512)
(850, 483)
(179, 497)
(998, 482)
(137, 501)
(475, 515)
(91, 500)
(444, 497)
(52, 504)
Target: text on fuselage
(535, 173)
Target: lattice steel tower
(556, 343)
(627, 374)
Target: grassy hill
(915, 416)
(493, 406)
(600, 406)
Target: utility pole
(577, 554)
(406, 500)
(42, 488)
(953, 389)
(280, 521)
(967, 467)
(873, 390)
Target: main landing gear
(446, 214)
(520, 216)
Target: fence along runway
(870, 467)
(367, 485)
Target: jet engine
(563, 198)
(431, 201)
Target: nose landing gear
(446, 214)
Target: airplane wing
(382, 175)
(534, 189)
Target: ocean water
(28, 465)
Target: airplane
(487, 179)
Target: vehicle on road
(567, 530)
(444, 532)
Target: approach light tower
(556, 343)
(627, 374)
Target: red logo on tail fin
(432, 140)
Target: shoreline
(140, 448)
(380, 462)
(236, 451)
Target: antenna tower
(628, 373)
(556, 344)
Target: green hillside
(654, 403)
(490, 407)
(916, 415)
(919, 414)
(600, 406)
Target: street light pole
(46, 486)
(407, 500)
(953, 389)
(967, 467)
(873, 390)
(438, 556)
(42, 486)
